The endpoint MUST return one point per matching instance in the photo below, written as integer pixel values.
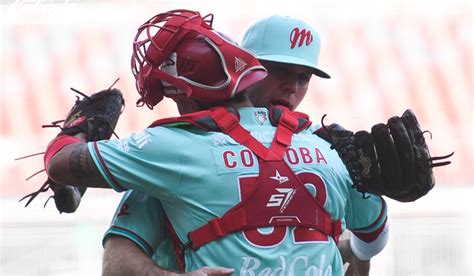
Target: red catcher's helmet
(178, 52)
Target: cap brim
(296, 61)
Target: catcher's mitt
(96, 116)
(393, 160)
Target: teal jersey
(199, 175)
(140, 218)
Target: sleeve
(365, 216)
(147, 161)
(139, 218)
(366, 250)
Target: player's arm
(73, 164)
(120, 251)
(364, 251)
(367, 220)
(358, 252)
(356, 267)
(92, 118)
(366, 217)
(124, 257)
(140, 219)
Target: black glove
(393, 160)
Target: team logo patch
(123, 210)
(282, 198)
(260, 117)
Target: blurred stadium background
(383, 56)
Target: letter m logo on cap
(298, 37)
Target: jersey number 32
(272, 236)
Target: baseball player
(142, 224)
(275, 197)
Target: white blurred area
(383, 56)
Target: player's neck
(241, 101)
(238, 102)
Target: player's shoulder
(311, 134)
(172, 126)
(313, 127)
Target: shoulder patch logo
(123, 210)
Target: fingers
(387, 157)
(217, 271)
(346, 267)
(404, 147)
(367, 158)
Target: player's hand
(211, 271)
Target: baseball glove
(393, 160)
(96, 116)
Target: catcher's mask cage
(178, 52)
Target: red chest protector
(279, 198)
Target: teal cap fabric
(284, 39)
